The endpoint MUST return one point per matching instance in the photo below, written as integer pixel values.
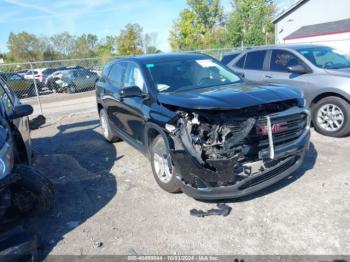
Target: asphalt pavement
(107, 201)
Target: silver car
(322, 72)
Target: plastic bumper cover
(291, 155)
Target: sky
(100, 17)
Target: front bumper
(289, 157)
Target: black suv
(206, 132)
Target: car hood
(345, 72)
(233, 96)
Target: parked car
(22, 72)
(72, 81)
(20, 85)
(322, 72)
(21, 186)
(206, 132)
(49, 72)
(23, 190)
(35, 73)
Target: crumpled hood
(345, 72)
(233, 96)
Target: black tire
(71, 89)
(172, 185)
(343, 105)
(33, 194)
(106, 128)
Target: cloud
(28, 5)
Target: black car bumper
(289, 158)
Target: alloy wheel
(162, 162)
(330, 117)
(104, 126)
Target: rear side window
(255, 60)
(228, 58)
(240, 63)
(116, 74)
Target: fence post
(36, 89)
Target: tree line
(202, 24)
(30, 47)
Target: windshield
(188, 74)
(326, 57)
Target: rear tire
(163, 168)
(106, 128)
(33, 194)
(331, 116)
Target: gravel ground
(107, 202)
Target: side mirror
(299, 69)
(21, 110)
(131, 91)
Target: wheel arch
(151, 132)
(20, 146)
(316, 99)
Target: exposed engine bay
(228, 142)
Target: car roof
(281, 46)
(154, 58)
(235, 52)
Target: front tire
(33, 193)
(331, 116)
(106, 128)
(71, 89)
(163, 169)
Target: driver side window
(133, 77)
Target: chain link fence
(61, 87)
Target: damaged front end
(222, 154)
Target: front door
(279, 63)
(131, 116)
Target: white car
(35, 73)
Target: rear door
(111, 93)
(254, 65)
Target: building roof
(289, 10)
(330, 28)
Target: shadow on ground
(78, 161)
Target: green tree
(198, 25)
(130, 40)
(106, 47)
(24, 47)
(85, 46)
(63, 44)
(251, 23)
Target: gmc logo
(275, 128)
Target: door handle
(268, 76)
